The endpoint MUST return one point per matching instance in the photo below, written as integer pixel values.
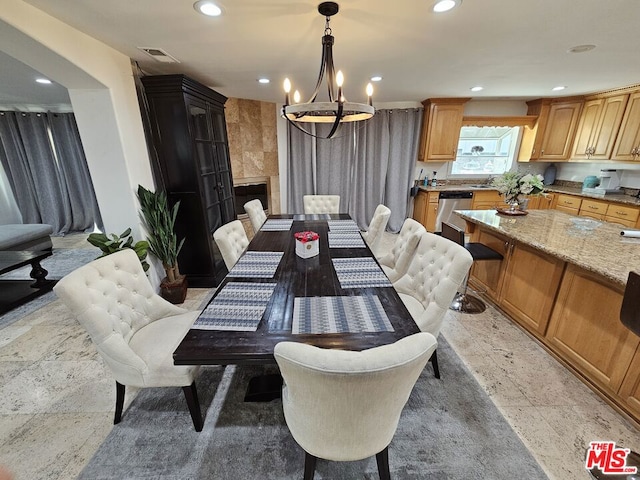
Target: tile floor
(57, 397)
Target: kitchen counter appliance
(450, 201)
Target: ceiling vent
(159, 55)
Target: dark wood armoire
(190, 157)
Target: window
(485, 151)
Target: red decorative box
(307, 244)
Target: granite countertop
(617, 198)
(602, 251)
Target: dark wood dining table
(295, 277)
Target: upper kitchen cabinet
(189, 136)
(552, 135)
(627, 146)
(441, 129)
(598, 127)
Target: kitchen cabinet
(529, 288)
(552, 135)
(546, 201)
(442, 120)
(568, 203)
(425, 209)
(188, 132)
(598, 127)
(622, 214)
(630, 388)
(486, 276)
(585, 329)
(593, 208)
(627, 145)
(487, 200)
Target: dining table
(297, 282)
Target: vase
(512, 201)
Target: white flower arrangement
(514, 184)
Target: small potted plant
(159, 220)
(114, 243)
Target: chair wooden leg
(191, 394)
(119, 403)
(434, 363)
(383, 464)
(309, 466)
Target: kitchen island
(564, 285)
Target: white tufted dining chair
(395, 263)
(437, 270)
(134, 330)
(378, 224)
(256, 214)
(321, 204)
(345, 405)
(232, 241)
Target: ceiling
(513, 48)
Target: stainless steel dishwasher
(450, 201)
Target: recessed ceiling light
(445, 5)
(208, 8)
(558, 88)
(477, 88)
(377, 78)
(581, 48)
(44, 81)
(263, 80)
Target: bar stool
(465, 302)
(630, 310)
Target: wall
(253, 145)
(103, 97)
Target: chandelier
(337, 110)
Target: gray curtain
(367, 164)
(404, 138)
(50, 186)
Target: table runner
(239, 306)
(257, 265)
(345, 239)
(359, 273)
(316, 315)
(343, 225)
(277, 225)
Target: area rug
(62, 262)
(449, 429)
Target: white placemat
(345, 239)
(277, 225)
(239, 306)
(359, 273)
(316, 315)
(257, 265)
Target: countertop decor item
(550, 175)
(307, 244)
(337, 110)
(514, 184)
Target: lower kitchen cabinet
(585, 329)
(425, 209)
(529, 287)
(486, 275)
(630, 389)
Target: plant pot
(174, 292)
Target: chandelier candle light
(337, 110)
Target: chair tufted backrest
(321, 204)
(405, 245)
(344, 405)
(112, 298)
(232, 241)
(378, 224)
(438, 269)
(256, 214)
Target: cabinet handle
(592, 207)
(622, 213)
(542, 152)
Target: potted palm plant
(159, 220)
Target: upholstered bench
(30, 236)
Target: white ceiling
(513, 48)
